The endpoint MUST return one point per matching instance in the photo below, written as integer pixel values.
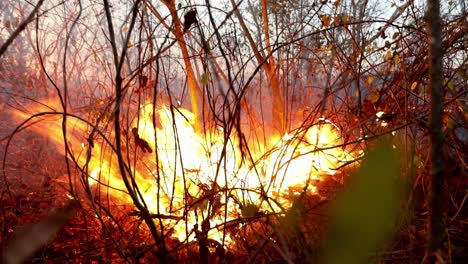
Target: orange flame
(188, 172)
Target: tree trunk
(268, 65)
(194, 88)
(436, 212)
(277, 107)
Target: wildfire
(191, 177)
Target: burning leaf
(366, 212)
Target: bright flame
(190, 177)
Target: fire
(189, 177)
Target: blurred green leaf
(365, 213)
(461, 74)
(450, 85)
(451, 121)
(205, 77)
(425, 89)
(293, 217)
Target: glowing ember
(189, 177)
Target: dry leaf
(388, 55)
(396, 58)
(326, 20)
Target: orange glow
(191, 177)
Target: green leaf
(205, 77)
(395, 35)
(450, 85)
(365, 213)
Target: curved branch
(20, 28)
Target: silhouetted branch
(20, 28)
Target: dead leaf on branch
(143, 144)
(326, 20)
(190, 18)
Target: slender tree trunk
(269, 66)
(194, 87)
(436, 212)
(277, 107)
(218, 71)
(163, 254)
